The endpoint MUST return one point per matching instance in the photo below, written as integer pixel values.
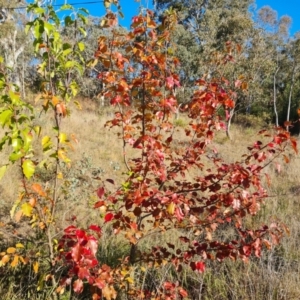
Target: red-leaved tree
(175, 182)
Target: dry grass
(274, 276)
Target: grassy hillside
(97, 154)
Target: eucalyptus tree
(292, 70)
(13, 40)
(276, 35)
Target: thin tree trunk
(230, 116)
(275, 98)
(290, 99)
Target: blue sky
(285, 7)
(131, 8)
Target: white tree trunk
(11, 53)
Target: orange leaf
(15, 262)
(11, 250)
(38, 189)
(61, 109)
(32, 202)
(5, 259)
(109, 292)
(55, 100)
(18, 215)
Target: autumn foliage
(183, 187)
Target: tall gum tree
(12, 38)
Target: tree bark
(290, 98)
(275, 97)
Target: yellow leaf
(130, 280)
(2, 171)
(28, 168)
(62, 138)
(22, 260)
(36, 267)
(60, 175)
(171, 208)
(11, 250)
(62, 155)
(19, 245)
(26, 209)
(13, 209)
(37, 129)
(78, 105)
(15, 262)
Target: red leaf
(168, 285)
(93, 245)
(116, 100)
(183, 293)
(83, 273)
(137, 143)
(108, 217)
(95, 228)
(100, 192)
(294, 145)
(169, 82)
(277, 140)
(80, 233)
(99, 204)
(78, 286)
(110, 181)
(179, 214)
(75, 252)
(200, 266)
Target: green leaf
(81, 46)
(2, 171)
(70, 64)
(5, 117)
(67, 52)
(83, 18)
(46, 143)
(66, 7)
(28, 168)
(38, 29)
(39, 10)
(48, 28)
(27, 139)
(68, 21)
(28, 26)
(83, 32)
(74, 88)
(15, 97)
(15, 156)
(16, 144)
(37, 129)
(84, 10)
